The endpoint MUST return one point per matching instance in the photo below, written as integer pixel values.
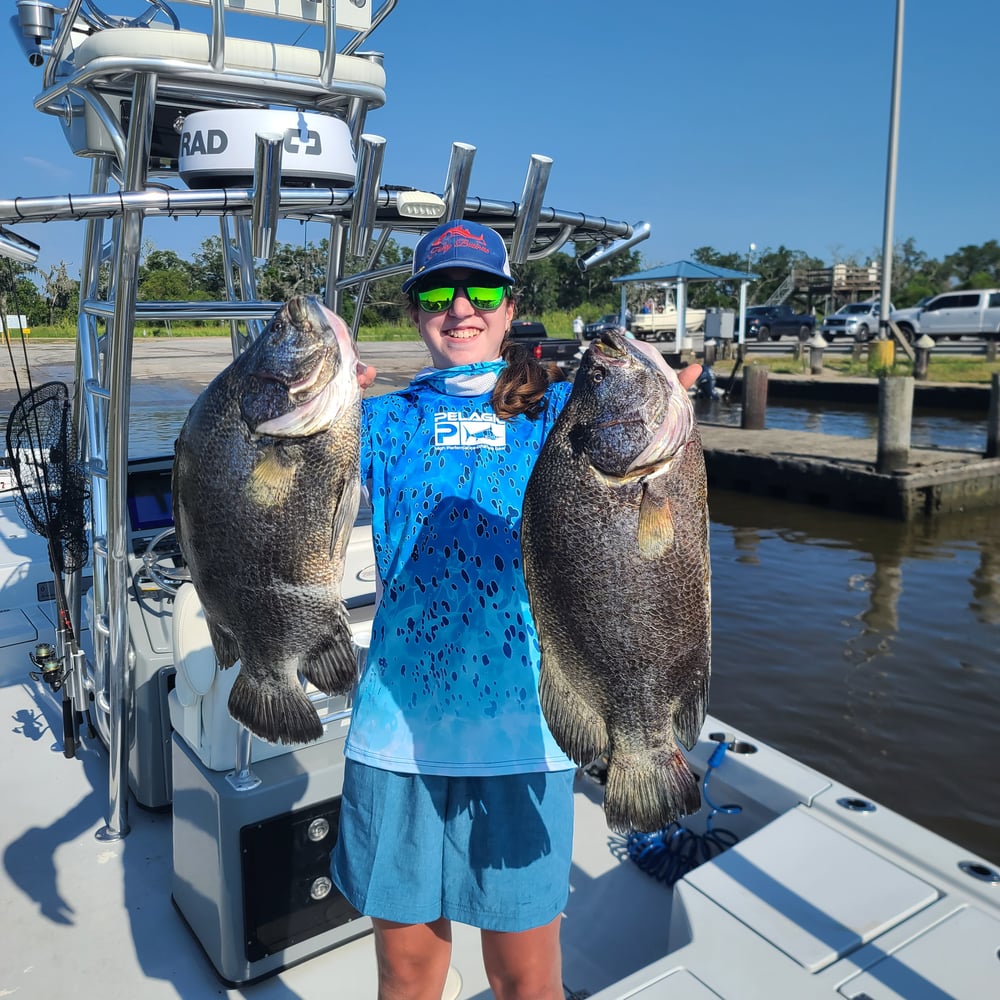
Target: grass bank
(945, 368)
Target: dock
(830, 470)
(839, 472)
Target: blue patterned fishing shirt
(451, 683)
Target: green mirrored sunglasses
(485, 297)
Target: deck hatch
(809, 890)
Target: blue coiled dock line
(670, 853)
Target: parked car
(857, 319)
(612, 321)
(951, 315)
(773, 322)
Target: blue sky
(720, 122)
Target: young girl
(457, 802)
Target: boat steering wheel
(164, 565)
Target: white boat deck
(823, 901)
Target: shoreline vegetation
(970, 368)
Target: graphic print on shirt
(480, 430)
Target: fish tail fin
(646, 793)
(332, 664)
(278, 713)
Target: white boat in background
(173, 855)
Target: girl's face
(463, 334)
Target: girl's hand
(689, 375)
(366, 375)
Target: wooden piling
(993, 419)
(895, 413)
(754, 410)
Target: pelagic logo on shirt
(481, 430)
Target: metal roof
(690, 271)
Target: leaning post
(895, 414)
(754, 397)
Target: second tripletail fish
(265, 492)
(616, 559)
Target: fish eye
(597, 374)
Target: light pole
(743, 304)
(885, 291)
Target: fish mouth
(611, 345)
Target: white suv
(857, 319)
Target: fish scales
(265, 491)
(615, 540)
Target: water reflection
(866, 648)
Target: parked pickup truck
(774, 322)
(857, 319)
(952, 315)
(557, 350)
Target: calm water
(863, 647)
(929, 428)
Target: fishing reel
(49, 668)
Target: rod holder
(367, 182)
(640, 232)
(530, 207)
(266, 193)
(16, 247)
(456, 183)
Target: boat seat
(199, 701)
(97, 72)
(110, 59)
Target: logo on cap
(457, 236)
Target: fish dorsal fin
(656, 523)
(272, 478)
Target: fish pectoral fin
(656, 523)
(332, 663)
(344, 516)
(270, 483)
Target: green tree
(973, 267)
(20, 295)
(60, 290)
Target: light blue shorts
(493, 852)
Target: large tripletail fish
(615, 541)
(265, 492)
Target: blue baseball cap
(460, 243)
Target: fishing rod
(52, 503)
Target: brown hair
(522, 384)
